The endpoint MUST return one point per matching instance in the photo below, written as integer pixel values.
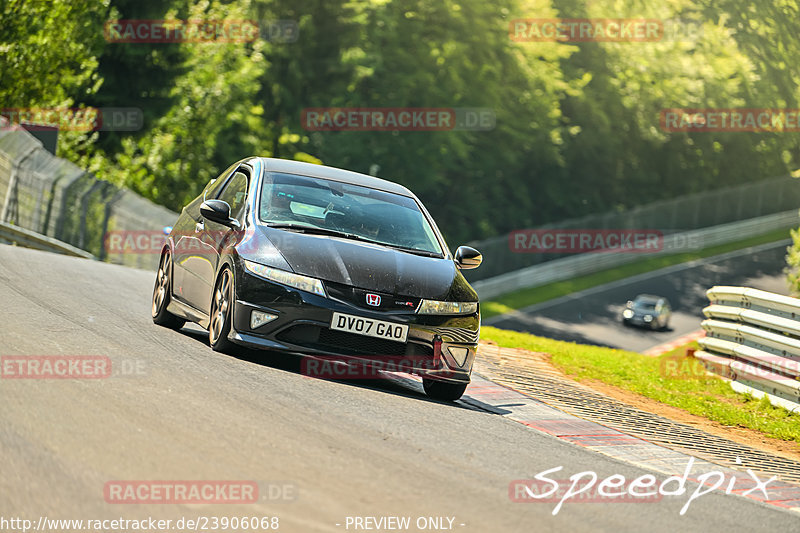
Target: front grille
(344, 343)
(358, 297)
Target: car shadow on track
(391, 383)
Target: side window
(213, 187)
(265, 207)
(235, 193)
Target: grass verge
(672, 379)
(534, 295)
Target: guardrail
(10, 234)
(753, 338)
(587, 263)
(697, 210)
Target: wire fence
(677, 215)
(53, 197)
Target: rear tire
(219, 325)
(442, 390)
(162, 294)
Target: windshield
(644, 305)
(365, 213)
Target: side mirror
(218, 211)
(467, 258)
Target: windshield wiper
(335, 233)
(415, 251)
(317, 230)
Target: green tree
(214, 118)
(48, 57)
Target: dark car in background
(303, 258)
(647, 311)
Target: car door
(189, 241)
(202, 262)
(667, 312)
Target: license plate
(370, 327)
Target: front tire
(162, 294)
(442, 390)
(221, 313)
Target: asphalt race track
(594, 316)
(174, 410)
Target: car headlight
(648, 318)
(628, 313)
(433, 307)
(304, 283)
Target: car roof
(288, 166)
(648, 298)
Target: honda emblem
(373, 299)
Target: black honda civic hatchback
(303, 258)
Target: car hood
(366, 266)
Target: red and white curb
(680, 341)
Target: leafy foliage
(577, 124)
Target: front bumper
(443, 346)
(639, 321)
